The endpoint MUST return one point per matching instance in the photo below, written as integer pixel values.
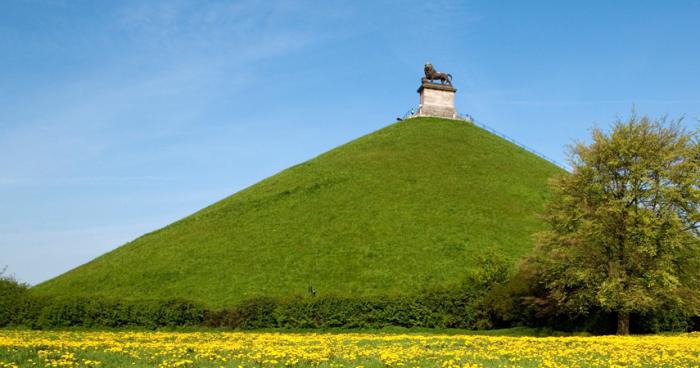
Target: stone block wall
(437, 100)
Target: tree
(622, 230)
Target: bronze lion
(431, 74)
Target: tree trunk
(623, 323)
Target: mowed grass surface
(250, 349)
(409, 206)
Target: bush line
(487, 299)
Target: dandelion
(248, 349)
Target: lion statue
(431, 74)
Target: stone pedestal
(437, 100)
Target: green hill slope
(406, 207)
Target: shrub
(528, 305)
(463, 306)
(99, 312)
(14, 300)
(671, 318)
(251, 314)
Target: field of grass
(406, 207)
(260, 349)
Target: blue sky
(117, 118)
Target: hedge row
(18, 307)
(91, 312)
(480, 303)
(459, 307)
(443, 309)
(97, 312)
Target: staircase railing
(470, 119)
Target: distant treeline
(490, 298)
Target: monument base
(437, 100)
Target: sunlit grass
(410, 206)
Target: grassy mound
(409, 206)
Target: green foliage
(673, 319)
(622, 234)
(98, 312)
(433, 310)
(402, 209)
(524, 301)
(250, 314)
(13, 300)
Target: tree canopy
(622, 230)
